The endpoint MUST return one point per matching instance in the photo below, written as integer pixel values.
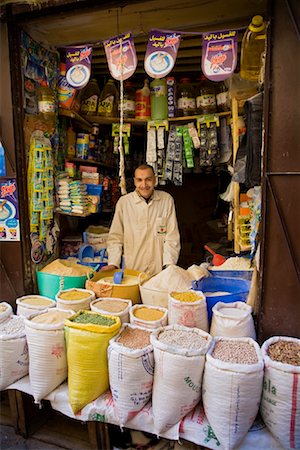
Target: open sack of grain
(5, 311)
(131, 369)
(179, 356)
(117, 306)
(87, 336)
(232, 386)
(148, 316)
(280, 404)
(232, 320)
(188, 309)
(13, 351)
(47, 350)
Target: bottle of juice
(108, 101)
(46, 101)
(253, 46)
(89, 98)
(142, 102)
(159, 100)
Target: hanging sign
(219, 54)
(9, 211)
(161, 53)
(121, 56)
(78, 66)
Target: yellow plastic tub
(129, 292)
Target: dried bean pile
(96, 319)
(184, 339)
(235, 352)
(12, 326)
(134, 338)
(286, 352)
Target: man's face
(144, 181)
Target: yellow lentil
(74, 294)
(186, 296)
(150, 314)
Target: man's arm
(172, 238)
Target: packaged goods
(253, 47)
(206, 98)
(142, 102)
(108, 100)
(116, 306)
(29, 304)
(89, 98)
(232, 386)
(131, 369)
(46, 101)
(159, 100)
(280, 406)
(5, 311)
(179, 356)
(148, 316)
(75, 299)
(186, 101)
(88, 370)
(188, 309)
(47, 351)
(232, 320)
(13, 351)
(222, 97)
(128, 101)
(66, 93)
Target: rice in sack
(280, 403)
(232, 320)
(47, 350)
(131, 369)
(13, 351)
(179, 356)
(87, 336)
(232, 386)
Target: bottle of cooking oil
(46, 101)
(253, 46)
(89, 98)
(108, 101)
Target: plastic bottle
(222, 97)
(206, 98)
(66, 93)
(71, 143)
(108, 101)
(142, 102)
(253, 45)
(46, 101)
(186, 102)
(159, 100)
(89, 98)
(128, 101)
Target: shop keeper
(144, 227)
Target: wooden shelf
(63, 213)
(110, 120)
(91, 162)
(75, 116)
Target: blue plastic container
(245, 274)
(238, 288)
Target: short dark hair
(145, 167)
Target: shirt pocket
(160, 226)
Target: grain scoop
(217, 260)
(118, 276)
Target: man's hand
(108, 267)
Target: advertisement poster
(78, 66)
(121, 56)
(219, 54)
(9, 211)
(161, 53)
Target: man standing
(144, 228)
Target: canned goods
(82, 145)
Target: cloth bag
(236, 322)
(188, 314)
(280, 403)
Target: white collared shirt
(146, 233)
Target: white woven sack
(188, 314)
(75, 305)
(24, 309)
(130, 377)
(124, 315)
(149, 324)
(13, 356)
(47, 356)
(231, 395)
(4, 315)
(177, 379)
(280, 404)
(236, 322)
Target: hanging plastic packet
(188, 147)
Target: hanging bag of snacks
(179, 356)
(188, 309)
(13, 351)
(131, 369)
(87, 337)
(47, 350)
(280, 404)
(232, 386)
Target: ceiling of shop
(95, 24)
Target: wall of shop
(280, 289)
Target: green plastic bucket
(50, 284)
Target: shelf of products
(86, 125)
(91, 162)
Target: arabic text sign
(161, 53)
(219, 54)
(121, 56)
